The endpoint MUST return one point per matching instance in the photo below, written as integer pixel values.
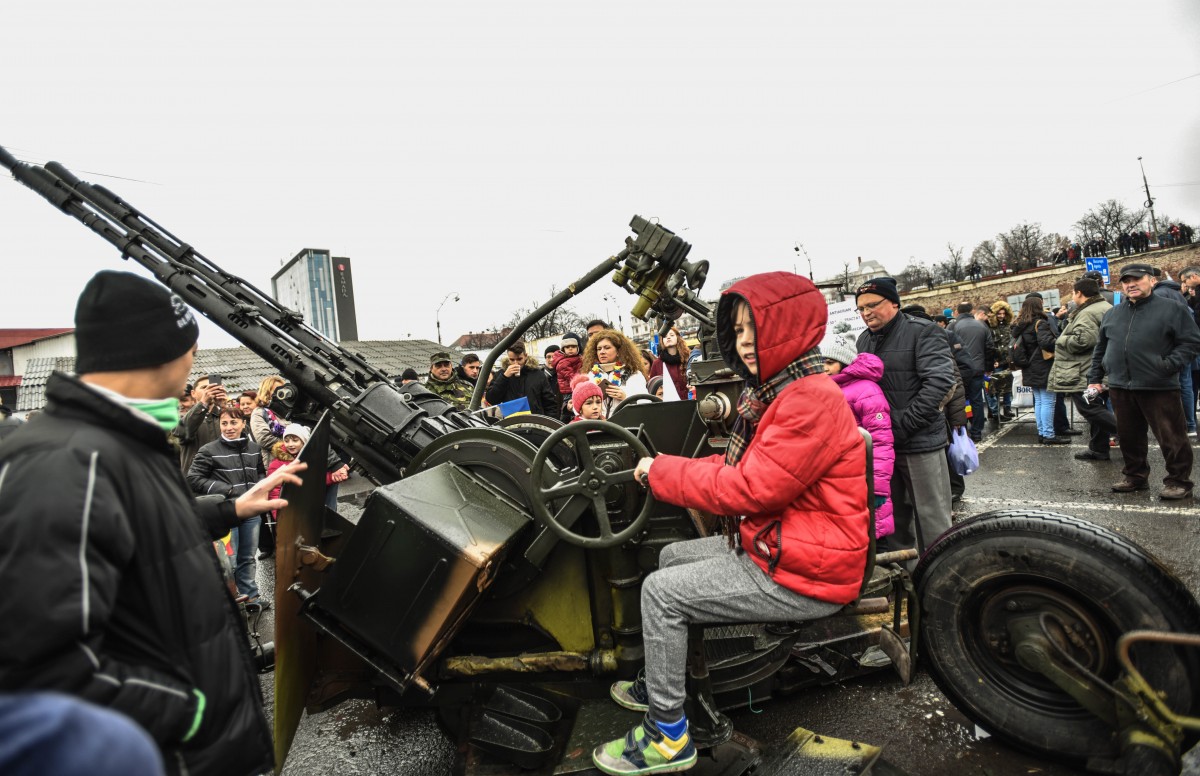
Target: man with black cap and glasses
(114, 593)
(918, 378)
(1143, 344)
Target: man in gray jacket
(1143, 343)
(918, 378)
(976, 341)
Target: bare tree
(553, 324)
(1108, 220)
(846, 278)
(1023, 246)
(913, 277)
(953, 268)
(985, 255)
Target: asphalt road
(918, 728)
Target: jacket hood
(530, 361)
(865, 366)
(996, 307)
(280, 452)
(789, 319)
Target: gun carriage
(494, 573)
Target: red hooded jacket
(805, 466)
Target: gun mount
(495, 573)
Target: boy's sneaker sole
(671, 767)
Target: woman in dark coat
(1036, 339)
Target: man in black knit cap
(114, 593)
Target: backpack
(1018, 354)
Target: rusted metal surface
(476, 665)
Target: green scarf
(164, 411)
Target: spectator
(549, 356)
(409, 375)
(1190, 277)
(468, 370)
(999, 397)
(443, 382)
(199, 426)
(1144, 342)
(128, 610)
(613, 362)
(1170, 289)
(265, 426)
(858, 375)
(247, 402)
(295, 437)
(1072, 360)
(519, 376)
(229, 467)
(804, 535)
(1034, 338)
(1095, 275)
(186, 400)
(594, 327)
(977, 346)
(670, 357)
(587, 400)
(918, 374)
(566, 363)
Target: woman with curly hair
(612, 361)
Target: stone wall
(1171, 260)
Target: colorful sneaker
(631, 695)
(646, 749)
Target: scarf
(608, 373)
(670, 358)
(751, 407)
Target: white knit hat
(297, 430)
(839, 350)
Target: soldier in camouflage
(445, 383)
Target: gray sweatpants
(920, 501)
(703, 581)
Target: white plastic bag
(1022, 395)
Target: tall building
(321, 288)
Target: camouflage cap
(439, 357)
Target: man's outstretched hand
(257, 500)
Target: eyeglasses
(870, 305)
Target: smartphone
(215, 379)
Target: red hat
(584, 390)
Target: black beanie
(124, 321)
(885, 287)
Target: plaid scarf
(751, 407)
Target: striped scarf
(751, 407)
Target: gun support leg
(708, 727)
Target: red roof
(10, 381)
(11, 338)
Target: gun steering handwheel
(636, 398)
(591, 484)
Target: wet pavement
(918, 728)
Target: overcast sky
(497, 149)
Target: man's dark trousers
(1162, 413)
(1101, 422)
(978, 404)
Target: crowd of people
(797, 507)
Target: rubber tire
(1107, 574)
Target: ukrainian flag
(515, 407)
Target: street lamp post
(438, 315)
(1149, 199)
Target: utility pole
(800, 247)
(1149, 200)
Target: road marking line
(995, 437)
(1056, 506)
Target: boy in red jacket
(793, 480)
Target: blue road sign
(1099, 263)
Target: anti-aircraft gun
(495, 572)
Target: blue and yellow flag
(515, 407)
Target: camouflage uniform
(453, 390)
(1000, 386)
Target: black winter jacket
(1143, 346)
(1036, 337)
(226, 468)
(114, 593)
(532, 383)
(918, 372)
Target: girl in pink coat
(857, 374)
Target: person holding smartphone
(201, 424)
